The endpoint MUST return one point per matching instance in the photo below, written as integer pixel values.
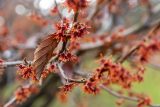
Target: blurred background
(23, 23)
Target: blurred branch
(154, 66)
(149, 35)
(99, 6)
(67, 78)
(50, 86)
(60, 15)
(139, 27)
(47, 84)
(13, 100)
(12, 63)
(10, 102)
(114, 93)
(118, 95)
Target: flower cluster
(4, 31)
(62, 30)
(46, 72)
(119, 102)
(66, 31)
(144, 101)
(139, 74)
(76, 4)
(74, 45)
(116, 74)
(62, 95)
(113, 6)
(78, 30)
(1, 61)
(67, 56)
(1, 67)
(27, 72)
(145, 2)
(54, 10)
(91, 86)
(24, 92)
(38, 19)
(146, 50)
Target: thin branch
(76, 16)
(59, 14)
(67, 78)
(114, 93)
(149, 35)
(118, 95)
(12, 63)
(13, 100)
(10, 102)
(133, 29)
(98, 7)
(129, 54)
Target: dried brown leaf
(44, 52)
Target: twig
(149, 35)
(133, 29)
(114, 93)
(98, 7)
(128, 54)
(76, 16)
(10, 102)
(67, 78)
(60, 15)
(13, 100)
(12, 63)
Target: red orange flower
(146, 50)
(91, 86)
(64, 91)
(67, 56)
(24, 92)
(27, 72)
(76, 4)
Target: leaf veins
(44, 52)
